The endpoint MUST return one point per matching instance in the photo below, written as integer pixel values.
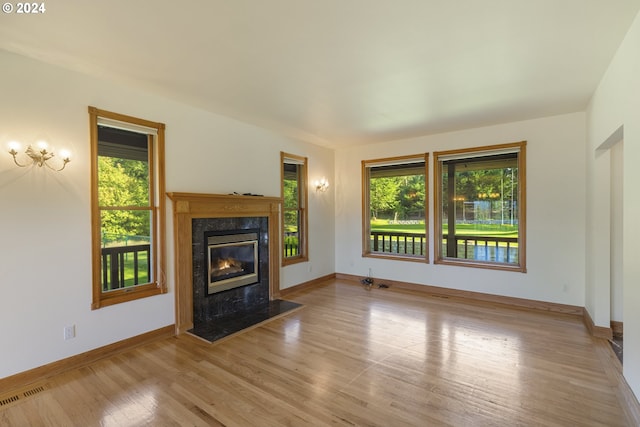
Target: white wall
(45, 271)
(555, 212)
(613, 116)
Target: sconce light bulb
(42, 145)
(65, 155)
(14, 147)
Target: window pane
(291, 233)
(123, 168)
(480, 220)
(397, 209)
(291, 186)
(126, 248)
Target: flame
(226, 266)
(225, 263)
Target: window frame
(366, 213)
(475, 152)
(303, 203)
(157, 208)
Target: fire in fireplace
(232, 259)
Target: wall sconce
(321, 185)
(40, 155)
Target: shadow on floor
(616, 345)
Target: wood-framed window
(480, 207)
(294, 208)
(127, 208)
(395, 208)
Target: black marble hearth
(222, 313)
(223, 327)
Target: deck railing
(118, 259)
(481, 248)
(398, 243)
(290, 244)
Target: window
(127, 206)
(480, 207)
(394, 208)
(294, 211)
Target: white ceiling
(336, 72)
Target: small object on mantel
(245, 194)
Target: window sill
(294, 260)
(418, 258)
(130, 294)
(480, 264)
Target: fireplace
(232, 259)
(250, 225)
(195, 215)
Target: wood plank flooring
(381, 357)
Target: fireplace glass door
(232, 260)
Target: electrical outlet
(69, 332)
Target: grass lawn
(129, 273)
(488, 230)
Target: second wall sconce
(321, 185)
(39, 156)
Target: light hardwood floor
(382, 357)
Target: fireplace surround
(237, 294)
(194, 215)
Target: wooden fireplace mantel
(188, 206)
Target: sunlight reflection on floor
(141, 408)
